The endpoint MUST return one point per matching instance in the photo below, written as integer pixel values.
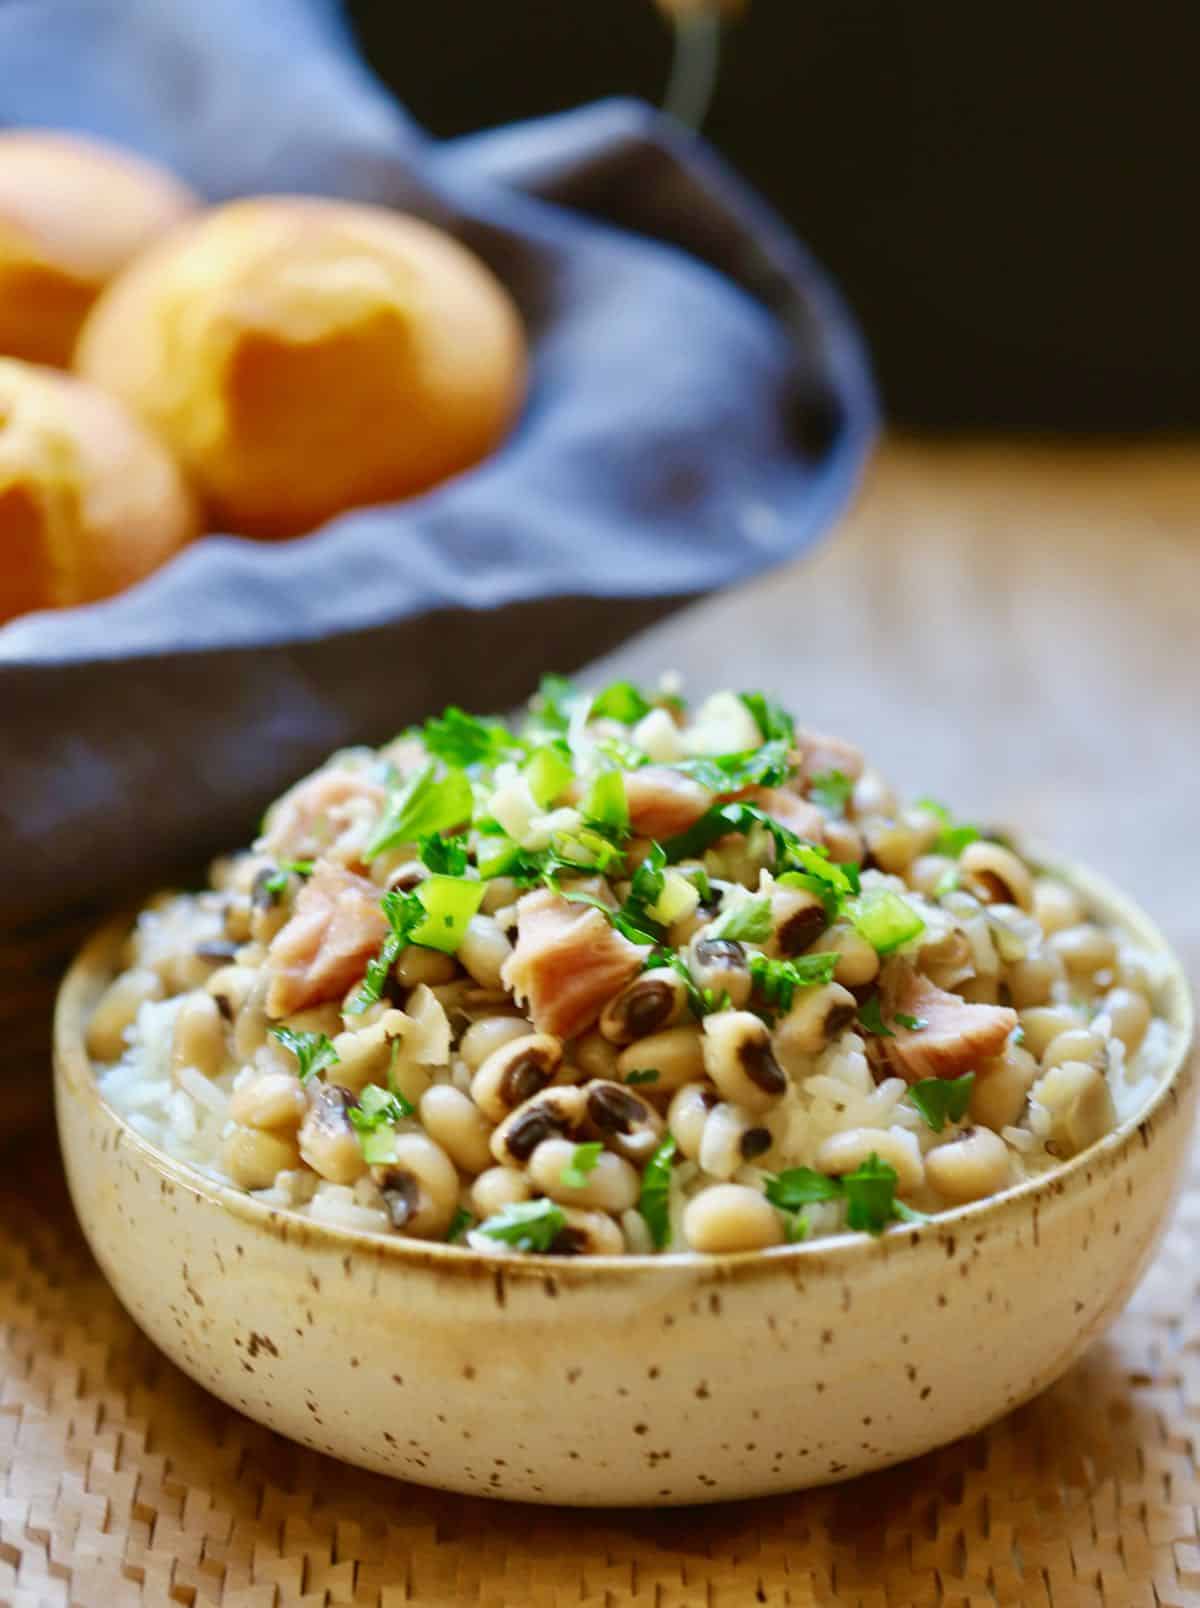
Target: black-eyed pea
(514, 1072)
(1077, 1100)
(270, 1100)
(928, 873)
(1055, 905)
(798, 918)
(677, 1055)
(1084, 949)
(969, 1167)
(198, 1037)
(649, 1004)
(731, 1217)
(458, 1125)
(995, 875)
(739, 1060)
(1129, 1012)
(403, 876)
(721, 965)
(117, 1010)
(490, 1033)
(688, 1114)
(500, 893)
(872, 796)
(555, 1113)
(327, 1141)
(893, 844)
(497, 1188)
(844, 842)
(588, 1234)
(817, 1016)
(419, 1187)
(947, 960)
(1076, 1044)
(253, 1156)
(596, 1056)
(612, 1184)
(846, 1152)
(1001, 1087)
(857, 960)
(731, 1137)
(251, 1024)
(415, 965)
(622, 1119)
(1042, 1024)
(483, 950)
(1032, 981)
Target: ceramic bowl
(623, 1380)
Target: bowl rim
(835, 1251)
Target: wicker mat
(124, 1483)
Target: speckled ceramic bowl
(635, 1380)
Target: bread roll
(89, 500)
(307, 356)
(72, 212)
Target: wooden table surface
(1013, 628)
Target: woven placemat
(124, 1483)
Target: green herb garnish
(314, 1052)
(776, 981)
(447, 855)
(621, 701)
(582, 1164)
(277, 882)
(914, 1024)
(942, 1099)
(550, 711)
(403, 912)
(871, 1195)
(954, 836)
(424, 804)
(528, 1225)
(649, 1074)
(871, 1017)
(654, 1202)
(372, 1119)
(772, 719)
(801, 1186)
(831, 789)
(462, 740)
(460, 1224)
(767, 766)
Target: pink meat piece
(957, 1035)
(336, 927)
(309, 817)
(663, 803)
(568, 963)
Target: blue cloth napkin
(700, 407)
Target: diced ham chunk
(568, 963)
(663, 803)
(957, 1036)
(336, 927)
(311, 816)
(815, 753)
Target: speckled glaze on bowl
(623, 1380)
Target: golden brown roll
(306, 356)
(89, 500)
(72, 213)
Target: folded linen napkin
(699, 409)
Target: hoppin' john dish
(630, 978)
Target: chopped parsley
(767, 766)
(750, 921)
(372, 1120)
(622, 702)
(403, 912)
(942, 1100)
(772, 719)
(550, 707)
(954, 836)
(463, 740)
(527, 1225)
(649, 1074)
(914, 1024)
(869, 1193)
(870, 1016)
(582, 1164)
(831, 789)
(702, 1002)
(447, 855)
(314, 1052)
(425, 803)
(276, 883)
(460, 1224)
(654, 1203)
(776, 981)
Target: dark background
(1006, 194)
